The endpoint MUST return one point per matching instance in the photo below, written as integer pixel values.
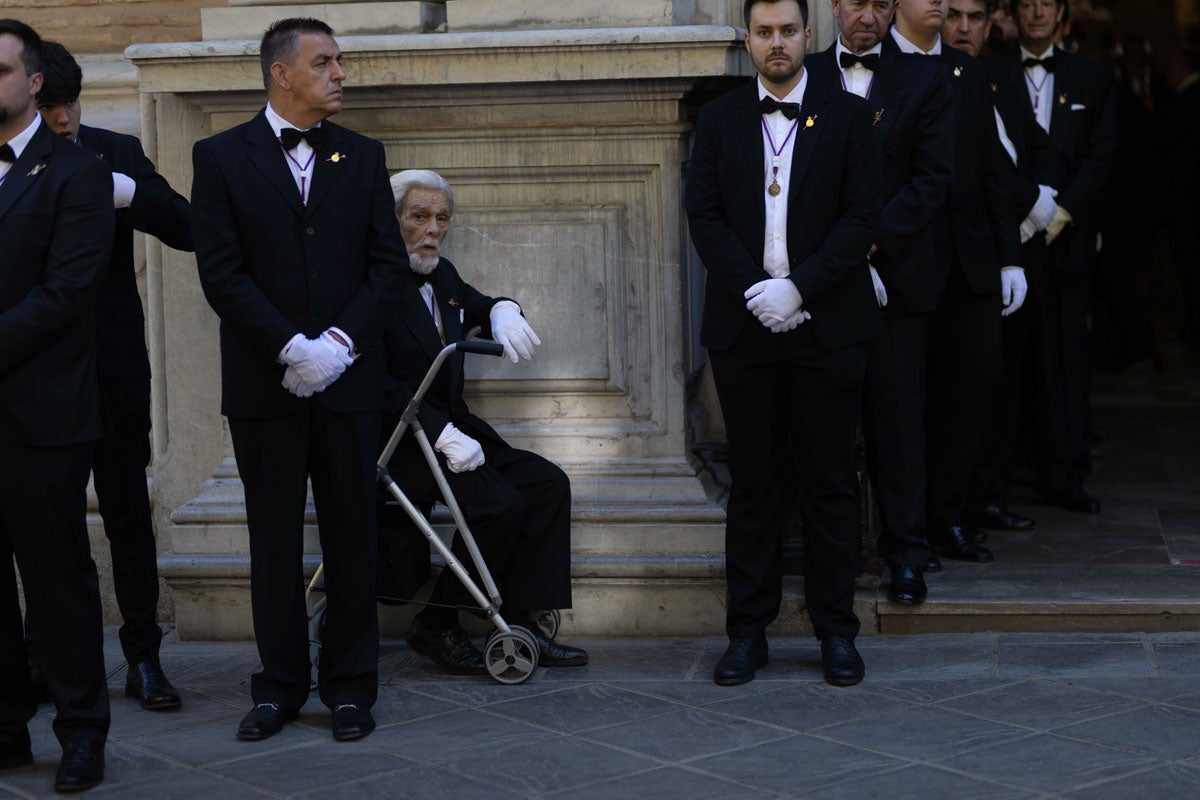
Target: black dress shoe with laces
(450, 649)
(352, 721)
(743, 655)
(840, 659)
(997, 516)
(953, 541)
(146, 681)
(264, 721)
(556, 654)
(82, 765)
(1076, 499)
(907, 585)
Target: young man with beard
(782, 201)
(517, 503)
(912, 128)
(981, 281)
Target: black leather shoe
(264, 721)
(907, 585)
(351, 721)
(146, 681)
(450, 649)
(932, 564)
(999, 517)
(16, 750)
(976, 535)
(555, 654)
(953, 541)
(82, 765)
(743, 655)
(1076, 499)
(843, 665)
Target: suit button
(310, 230)
(312, 273)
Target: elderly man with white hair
(517, 503)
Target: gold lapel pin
(878, 116)
(452, 302)
(336, 157)
(35, 170)
(957, 71)
(808, 123)
(995, 88)
(1062, 99)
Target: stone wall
(109, 26)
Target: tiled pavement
(939, 716)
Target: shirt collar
(908, 47)
(278, 123)
(796, 95)
(1039, 56)
(841, 48)
(19, 142)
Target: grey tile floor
(939, 716)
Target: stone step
(972, 598)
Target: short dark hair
(749, 4)
(62, 79)
(1012, 6)
(31, 53)
(280, 41)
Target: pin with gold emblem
(337, 157)
(878, 116)
(808, 123)
(35, 170)
(994, 87)
(957, 72)
(452, 303)
(1062, 99)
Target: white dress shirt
(858, 79)
(300, 160)
(18, 144)
(775, 252)
(1040, 84)
(908, 47)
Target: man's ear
(35, 84)
(281, 75)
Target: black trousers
(518, 506)
(275, 457)
(43, 525)
(790, 408)
(894, 420)
(964, 369)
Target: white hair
(424, 178)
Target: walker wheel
(549, 621)
(511, 657)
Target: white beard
(421, 265)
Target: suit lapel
(1060, 104)
(450, 307)
(812, 121)
(27, 169)
(416, 316)
(326, 169)
(748, 121)
(266, 155)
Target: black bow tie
(1046, 63)
(432, 278)
(868, 60)
(290, 137)
(7, 154)
(769, 105)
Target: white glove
(318, 362)
(880, 289)
(123, 189)
(462, 453)
(1013, 289)
(791, 323)
(773, 301)
(293, 383)
(1042, 213)
(1061, 218)
(1028, 229)
(510, 329)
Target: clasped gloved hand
(773, 302)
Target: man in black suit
(912, 127)
(301, 257)
(517, 503)
(782, 204)
(982, 281)
(1031, 159)
(145, 202)
(56, 231)
(1072, 100)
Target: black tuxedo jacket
(1037, 162)
(833, 213)
(1083, 131)
(411, 343)
(158, 210)
(56, 232)
(913, 128)
(984, 228)
(272, 266)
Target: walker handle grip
(481, 347)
